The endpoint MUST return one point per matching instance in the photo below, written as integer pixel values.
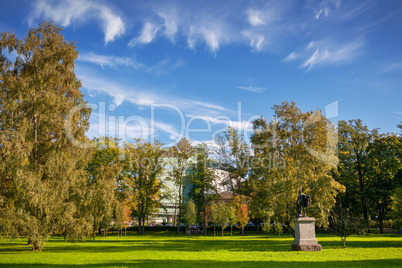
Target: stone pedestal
(305, 235)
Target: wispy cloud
(127, 128)
(322, 8)
(332, 53)
(163, 66)
(144, 97)
(292, 56)
(148, 34)
(254, 17)
(326, 52)
(67, 12)
(213, 25)
(108, 60)
(256, 40)
(252, 88)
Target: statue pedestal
(305, 235)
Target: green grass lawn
(169, 250)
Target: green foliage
(223, 216)
(203, 191)
(142, 170)
(39, 162)
(383, 164)
(354, 139)
(189, 213)
(181, 152)
(240, 202)
(104, 182)
(233, 154)
(396, 205)
(278, 227)
(344, 223)
(232, 216)
(266, 227)
(294, 150)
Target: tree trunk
(242, 232)
(214, 231)
(222, 232)
(291, 231)
(178, 225)
(381, 220)
(231, 230)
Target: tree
(383, 164)
(278, 226)
(214, 214)
(232, 216)
(396, 205)
(233, 153)
(223, 217)
(40, 129)
(104, 169)
(203, 191)
(142, 171)
(295, 150)
(241, 204)
(182, 151)
(189, 214)
(354, 139)
(259, 189)
(344, 223)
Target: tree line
(49, 185)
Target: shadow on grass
(182, 243)
(206, 263)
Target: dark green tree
(354, 139)
(383, 164)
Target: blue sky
(163, 69)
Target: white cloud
(326, 52)
(108, 60)
(161, 67)
(256, 40)
(145, 97)
(170, 26)
(324, 7)
(252, 88)
(211, 38)
(292, 56)
(126, 128)
(211, 25)
(173, 133)
(148, 34)
(254, 18)
(332, 53)
(67, 12)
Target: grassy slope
(169, 250)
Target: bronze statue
(302, 203)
